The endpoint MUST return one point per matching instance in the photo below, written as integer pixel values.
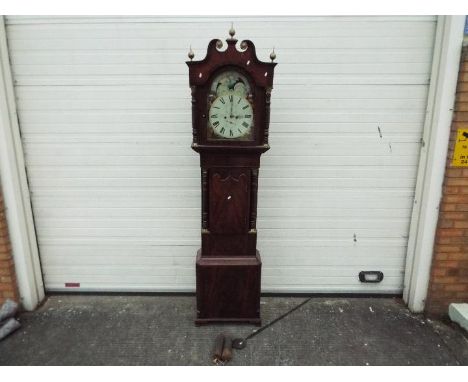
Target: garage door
(105, 119)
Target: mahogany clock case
(228, 265)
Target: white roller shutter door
(105, 118)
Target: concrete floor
(159, 330)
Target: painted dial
(231, 116)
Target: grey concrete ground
(159, 330)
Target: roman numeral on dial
(231, 116)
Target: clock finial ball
(232, 32)
(273, 55)
(191, 55)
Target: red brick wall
(449, 273)
(8, 287)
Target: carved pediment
(219, 55)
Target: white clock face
(231, 116)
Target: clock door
(229, 201)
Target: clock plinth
(230, 117)
(228, 289)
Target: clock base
(228, 289)
(207, 321)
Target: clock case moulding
(228, 265)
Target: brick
(6, 279)
(447, 248)
(452, 272)
(5, 256)
(462, 97)
(462, 87)
(446, 223)
(5, 271)
(460, 224)
(463, 77)
(451, 190)
(456, 288)
(5, 264)
(458, 199)
(436, 287)
(11, 295)
(454, 240)
(461, 106)
(460, 116)
(448, 207)
(441, 296)
(6, 287)
(438, 272)
(454, 215)
(454, 172)
(451, 240)
(450, 232)
(5, 247)
(463, 278)
(461, 207)
(441, 256)
(459, 125)
(445, 280)
(458, 256)
(448, 264)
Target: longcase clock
(231, 92)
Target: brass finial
(232, 32)
(273, 55)
(191, 55)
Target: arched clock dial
(231, 116)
